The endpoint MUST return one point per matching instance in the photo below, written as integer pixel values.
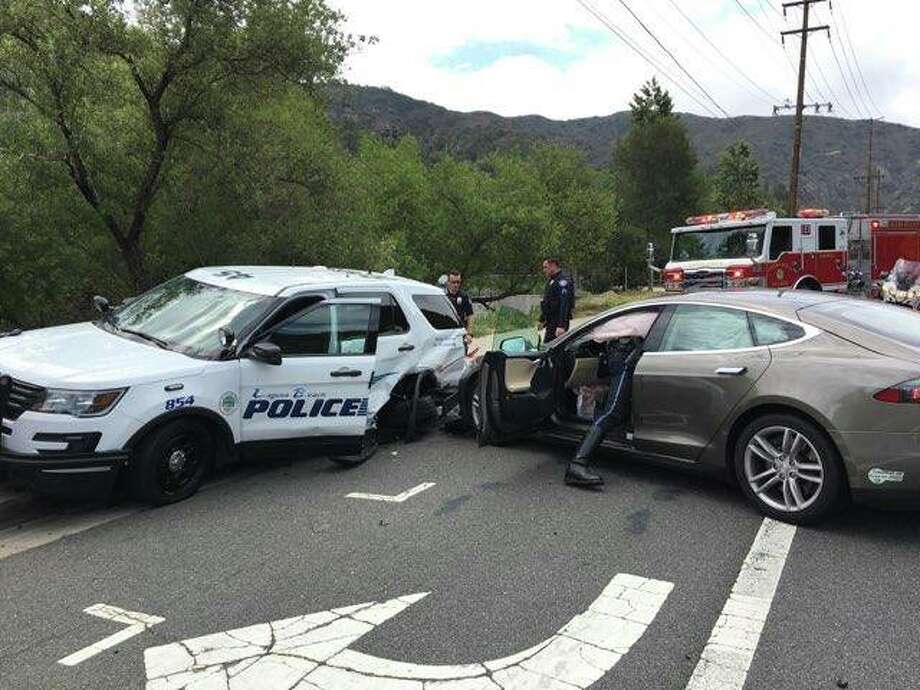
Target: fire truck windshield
(728, 243)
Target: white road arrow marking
(136, 622)
(398, 498)
(312, 652)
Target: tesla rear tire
(789, 469)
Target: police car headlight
(79, 403)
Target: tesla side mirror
(266, 352)
(516, 345)
(101, 304)
(753, 245)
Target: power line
(603, 19)
(767, 5)
(834, 97)
(770, 38)
(706, 38)
(676, 61)
(846, 30)
(843, 76)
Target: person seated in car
(623, 339)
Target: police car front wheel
(171, 462)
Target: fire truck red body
(813, 251)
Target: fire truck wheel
(789, 469)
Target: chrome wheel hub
(784, 469)
(177, 461)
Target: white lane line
(728, 654)
(46, 530)
(398, 498)
(136, 622)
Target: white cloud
(602, 78)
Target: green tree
(655, 168)
(651, 103)
(116, 102)
(736, 184)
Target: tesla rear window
(769, 331)
(896, 323)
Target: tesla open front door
(516, 394)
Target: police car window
(770, 331)
(393, 320)
(697, 328)
(780, 241)
(439, 311)
(827, 237)
(334, 329)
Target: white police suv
(218, 362)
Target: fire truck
(813, 251)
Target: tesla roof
(783, 302)
(271, 280)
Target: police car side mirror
(266, 352)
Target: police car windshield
(730, 243)
(186, 315)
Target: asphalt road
(507, 554)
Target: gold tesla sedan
(805, 399)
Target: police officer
(558, 301)
(458, 298)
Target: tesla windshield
(185, 315)
(730, 243)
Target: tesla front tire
(789, 469)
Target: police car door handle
(406, 348)
(731, 371)
(345, 371)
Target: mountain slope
(834, 150)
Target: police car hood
(83, 356)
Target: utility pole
(878, 190)
(792, 206)
(869, 176)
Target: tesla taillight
(908, 392)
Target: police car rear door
(317, 398)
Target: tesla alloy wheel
(789, 469)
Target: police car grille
(704, 279)
(20, 398)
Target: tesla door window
(697, 328)
(769, 331)
(335, 329)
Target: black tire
(795, 465)
(396, 415)
(369, 449)
(170, 464)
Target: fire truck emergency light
(747, 214)
(814, 213)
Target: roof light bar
(710, 218)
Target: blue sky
(553, 58)
(476, 55)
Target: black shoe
(577, 474)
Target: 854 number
(179, 403)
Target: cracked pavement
(258, 579)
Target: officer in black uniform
(619, 361)
(458, 298)
(558, 301)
